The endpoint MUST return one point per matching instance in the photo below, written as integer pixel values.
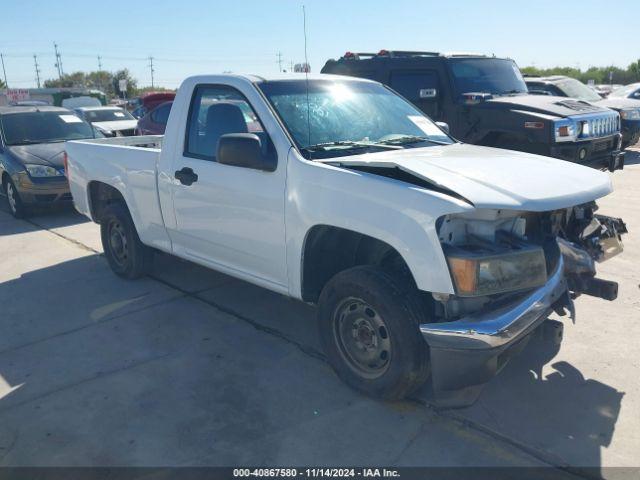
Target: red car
(154, 122)
(147, 102)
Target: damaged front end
(510, 270)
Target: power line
(4, 71)
(35, 62)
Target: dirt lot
(191, 367)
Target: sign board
(302, 68)
(122, 85)
(17, 95)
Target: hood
(545, 104)
(116, 125)
(492, 177)
(49, 154)
(619, 103)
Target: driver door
(228, 217)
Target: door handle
(186, 176)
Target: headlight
(43, 171)
(476, 273)
(630, 114)
(565, 130)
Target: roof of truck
(292, 76)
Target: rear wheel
(368, 324)
(16, 207)
(128, 257)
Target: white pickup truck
(424, 255)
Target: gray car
(32, 142)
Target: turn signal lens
(464, 272)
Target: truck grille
(601, 127)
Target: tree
(2, 84)
(605, 75)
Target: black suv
(485, 101)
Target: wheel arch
(100, 195)
(328, 250)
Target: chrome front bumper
(501, 326)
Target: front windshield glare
(343, 117)
(43, 127)
(487, 75)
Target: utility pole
(152, 70)
(291, 65)
(99, 63)
(35, 62)
(6, 84)
(58, 61)
(279, 61)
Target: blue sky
(198, 36)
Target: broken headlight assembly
(479, 270)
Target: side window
(216, 111)
(161, 114)
(415, 86)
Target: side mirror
(443, 126)
(244, 150)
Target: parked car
(485, 101)
(149, 101)
(628, 91)
(111, 121)
(424, 255)
(31, 154)
(562, 86)
(154, 122)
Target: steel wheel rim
(118, 243)
(11, 197)
(362, 338)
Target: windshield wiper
(349, 144)
(407, 139)
(511, 92)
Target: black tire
(394, 318)
(16, 205)
(133, 259)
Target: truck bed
(128, 164)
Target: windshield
(328, 118)
(43, 127)
(625, 91)
(107, 115)
(576, 89)
(486, 75)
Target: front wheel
(369, 330)
(128, 257)
(16, 206)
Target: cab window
(215, 111)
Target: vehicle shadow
(633, 156)
(559, 412)
(533, 400)
(551, 406)
(52, 217)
